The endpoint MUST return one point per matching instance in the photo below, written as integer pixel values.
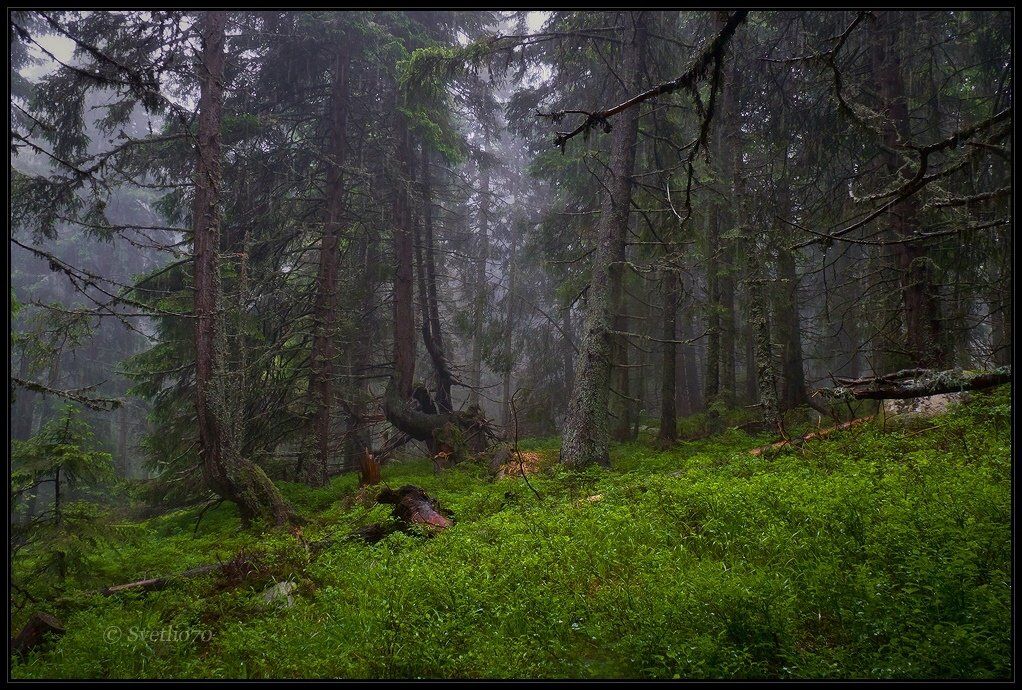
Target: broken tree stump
(370, 470)
(35, 631)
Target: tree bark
(586, 433)
(228, 474)
(568, 352)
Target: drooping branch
(710, 55)
(915, 383)
(77, 395)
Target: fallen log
(915, 383)
(808, 437)
(412, 506)
(155, 583)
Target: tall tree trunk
(509, 324)
(46, 401)
(228, 474)
(767, 383)
(669, 366)
(479, 304)
(751, 378)
(621, 397)
(728, 148)
(711, 379)
(586, 433)
(690, 363)
(358, 437)
(920, 298)
(325, 308)
(404, 310)
(728, 331)
(1000, 302)
(789, 326)
(846, 357)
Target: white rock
(926, 406)
(280, 593)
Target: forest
(578, 344)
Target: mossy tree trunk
(765, 375)
(229, 475)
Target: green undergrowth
(873, 553)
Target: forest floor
(872, 553)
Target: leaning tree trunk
(432, 335)
(228, 474)
(586, 433)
